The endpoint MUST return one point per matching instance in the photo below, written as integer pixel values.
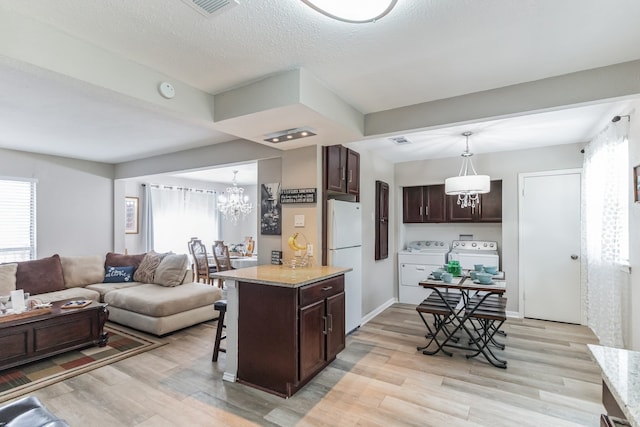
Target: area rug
(24, 379)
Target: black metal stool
(221, 306)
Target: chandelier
(467, 186)
(234, 202)
(353, 11)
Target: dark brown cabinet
(428, 203)
(423, 204)
(353, 172)
(342, 170)
(336, 328)
(287, 335)
(488, 209)
(322, 333)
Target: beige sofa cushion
(82, 270)
(157, 301)
(8, 278)
(172, 270)
(70, 293)
(104, 288)
(147, 268)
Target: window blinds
(17, 220)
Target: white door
(550, 245)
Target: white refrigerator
(344, 249)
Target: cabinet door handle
(420, 268)
(343, 173)
(426, 210)
(327, 288)
(331, 323)
(350, 175)
(324, 328)
(420, 210)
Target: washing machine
(471, 252)
(415, 263)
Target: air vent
(400, 140)
(209, 8)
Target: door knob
(574, 256)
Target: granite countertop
(279, 275)
(621, 373)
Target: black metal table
(478, 312)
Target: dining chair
(202, 269)
(192, 257)
(223, 260)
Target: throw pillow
(118, 274)
(121, 260)
(147, 268)
(82, 270)
(40, 276)
(171, 270)
(8, 278)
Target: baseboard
(514, 314)
(378, 310)
(227, 376)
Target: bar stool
(221, 306)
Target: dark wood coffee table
(32, 338)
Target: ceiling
(424, 50)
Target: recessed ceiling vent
(209, 8)
(400, 140)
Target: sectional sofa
(150, 292)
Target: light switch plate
(298, 220)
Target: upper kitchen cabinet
(489, 209)
(342, 171)
(423, 204)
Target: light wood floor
(379, 380)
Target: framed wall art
(270, 209)
(132, 215)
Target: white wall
(505, 166)
(74, 202)
(378, 277)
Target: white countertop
(621, 373)
(279, 275)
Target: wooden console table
(29, 338)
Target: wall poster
(132, 215)
(270, 209)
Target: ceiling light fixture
(288, 135)
(353, 11)
(234, 203)
(467, 187)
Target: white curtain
(180, 214)
(605, 205)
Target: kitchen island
(620, 381)
(283, 325)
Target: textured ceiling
(423, 50)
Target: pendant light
(234, 203)
(468, 185)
